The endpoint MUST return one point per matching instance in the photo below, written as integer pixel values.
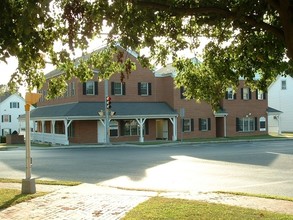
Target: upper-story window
(6, 118)
(90, 88)
(245, 93)
(283, 85)
(14, 104)
(182, 90)
(72, 88)
(144, 88)
(230, 94)
(260, 95)
(117, 88)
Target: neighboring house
(11, 107)
(281, 93)
(243, 112)
(147, 106)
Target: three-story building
(144, 107)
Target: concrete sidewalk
(90, 201)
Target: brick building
(147, 107)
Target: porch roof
(87, 110)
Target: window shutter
(9, 118)
(192, 124)
(10, 104)
(209, 124)
(256, 94)
(124, 88)
(234, 96)
(138, 88)
(2, 117)
(84, 88)
(199, 124)
(122, 124)
(237, 124)
(182, 125)
(255, 123)
(241, 93)
(18, 105)
(249, 93)
(226, 95)
(112, 88)
(96, 88)
(150, 88)
(264, 95)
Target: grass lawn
(165, 208)
(9, 197)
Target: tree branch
(222, 13)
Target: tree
(246, 37)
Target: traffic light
(108, 102)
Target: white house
(281, 99)
(11, 107)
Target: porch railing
(49, 138)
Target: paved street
(256, 167)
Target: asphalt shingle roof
(91, 109)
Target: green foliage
(246, 37)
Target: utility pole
(28, 184)
(107, 138)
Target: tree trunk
(286, 15)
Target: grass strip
(44, 182)
(166, 208)
(10, 197)
(285, 198)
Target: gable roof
(4, 96)
(89, 110)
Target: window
(246, 124)
(283, 85)
(187, 125)
(182, 90)
(262, 124)
(72, 88)
(117, 88)
(14, 104)
(204, 124)
(230, 94)
(144, 89)
(246, 93)
(113, 126)
(90, 88)
(130, 128)
(6, 118)
(6, 131)
(260, 95)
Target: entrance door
(101, 132)
(162, 129)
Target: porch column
(174, 122)
(141, 123)
(66, 125)
(43, 130)
(52, 131)
(225, 126)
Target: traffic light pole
(107, 138)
